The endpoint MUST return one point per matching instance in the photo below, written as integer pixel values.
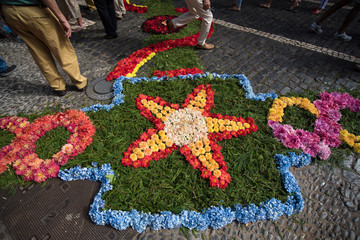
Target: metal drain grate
(100, 89)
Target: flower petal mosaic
(192, 128)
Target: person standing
(106, 10)
(46, 32)
(197, 8)
(120, 9)
(340, 34)
(71, 9)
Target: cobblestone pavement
(276, 51)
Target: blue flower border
(213, 217)
(119, 96)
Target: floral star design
(191, 128)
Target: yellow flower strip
(157, 142)
(352, 140)
(140, 64)
(277, 110)
(157, 110)
(202, 150)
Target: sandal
(264, 5)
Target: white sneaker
(316, 28)
(343, 36)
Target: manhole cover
(100, 89)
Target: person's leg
(331, 10)
(111, 11)
(187, 17)
(20, 19)
(349, 17)
(206, 21)
(106, 18)
(3, 65)
(118, 11)
(323, 4)
(236, 6)
(122, 7)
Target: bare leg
(331, 10)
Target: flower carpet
(206, 145)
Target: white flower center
(186, 126)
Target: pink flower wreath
(21, 152)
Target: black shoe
(82, 89)
(60, 93)
(111, 36)
(7, 71)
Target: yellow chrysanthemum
(198, 144)
(206, 141)
(150, 142)
(208, 156)
(162, 146)
(148, 152)
(164, 138)
(133, 157)
(207, 148)
(143, 145)
(202, 158)
(210, 167)
(217, 173)
(140, 155)
(137, 150)
(202, 150)
(155, 148)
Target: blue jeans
(238, 3)
(3, 65)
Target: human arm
(206, 4)
(52, 5)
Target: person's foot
(235, 8)
(264, 5)
(343, 36)
(60, 93)
(170, 26)
(110, 36)
(206, 46)
(82, 89)
(119, 17)
(316, 28)
(7, 71)
(316, 11)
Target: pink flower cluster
(326, 129)
(21, 151)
